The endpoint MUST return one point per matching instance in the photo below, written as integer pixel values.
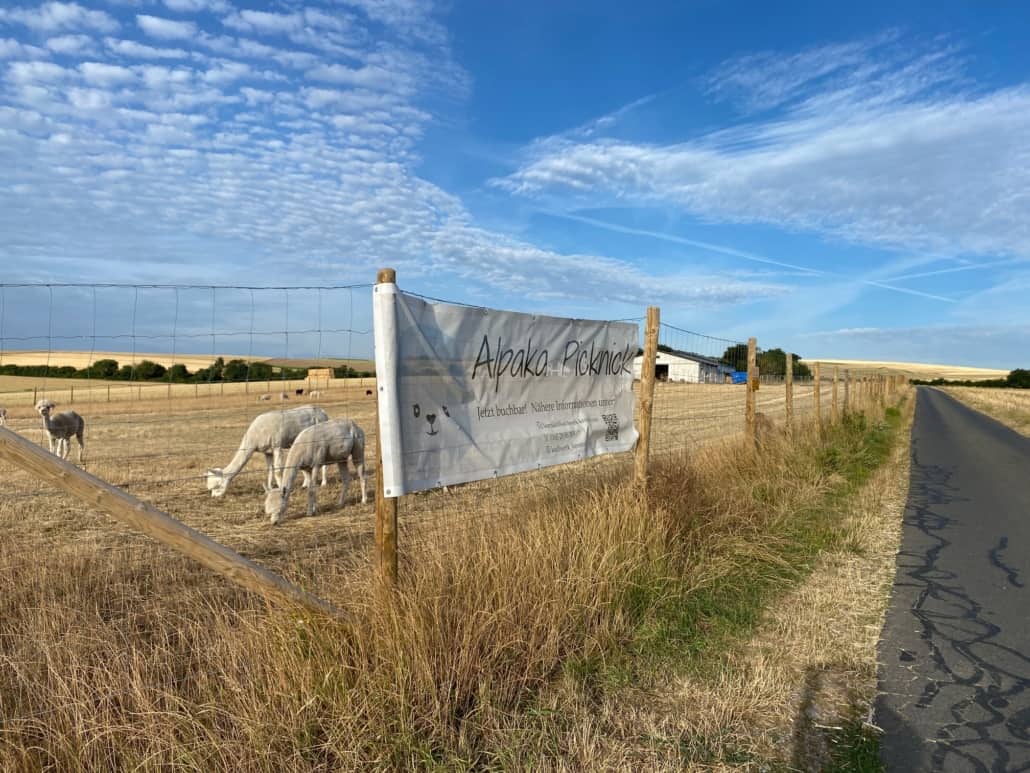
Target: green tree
(178, 373)
(146, 370)
(104, 369)
(1019, 378)
(735, 356)
(236, 370)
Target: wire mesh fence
(168, 379)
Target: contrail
(739, 254)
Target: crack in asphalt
(955, 666)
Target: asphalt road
(955, 649)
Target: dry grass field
(1009, 406)
(919, 370)
(81, 359)
(118, 653)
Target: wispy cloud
(874, 142)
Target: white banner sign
(468, 393)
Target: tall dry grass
(498, 636)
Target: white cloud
(36, 72)
(370, 77)
(166, 29)
(135, 148)
(193, 6)
(70, 44)
(57, 16)
(134, 50)
(264, 22)
(106, 75)
(12, 49)
(890, 154)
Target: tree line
(146, 370)
(771, 362)
(1016, 379)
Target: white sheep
(334, 441)
(61, 427)
(270, 433)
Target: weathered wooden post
(847, 390)
(386, 508)
(835, 410)
(752, 386)
(647, 379)
(815, 395)
(789, 385)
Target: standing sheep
(61, 427)
(334, 441)
(270, 433)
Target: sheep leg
(344, 481)
(312, 504)
(270, 470)
(359, 470)
(277, 462)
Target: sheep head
(275, 504)
(216, 482)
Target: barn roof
(677, 354)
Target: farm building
(683, 366)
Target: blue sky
(839, 182)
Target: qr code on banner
(612, 421)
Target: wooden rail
(133, 512)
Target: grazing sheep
(270, 433)
(333, 441)
(61, 427)
(262, 398)
(3, 416)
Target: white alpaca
(3, 416)
(315, 393)
(335, 441)
(270, 433)
(264, 397)
(61, 427)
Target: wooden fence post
(386, 508)
(34, 398)
(752, 385)
(789, 385)
(94, 492)
(847, 390)
(647, 374)
(835, 408)
(816, 380)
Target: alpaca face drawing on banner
(431, 418)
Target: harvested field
(919, 370)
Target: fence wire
(158, 438)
